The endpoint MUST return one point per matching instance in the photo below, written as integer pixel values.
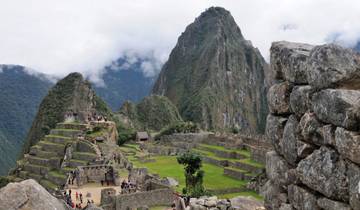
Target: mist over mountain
(127, 80)
(21, 92)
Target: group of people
(128, 187)
(95, 117)
(71, 116)
(117, 158)
(78, 198)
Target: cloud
(59, 37)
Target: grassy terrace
(220, 148)
(167, 166)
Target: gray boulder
(274, 130)
(308, 128)
(327, 133)
(26, 195)
(300, 99)
(288, 143)
(331, 66)
(286, 206)
(279, 98)
(348, 144)
(328, 204)
(274, 196)
(353, 175)
(338, 107)
(301, 198)
(325, 172)
(276, 169)
(288, 61)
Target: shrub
(193, 175)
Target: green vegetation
(152, 113)
(193, 175)
(20, 96)
(178, 127)
(4, 181)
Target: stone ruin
(313, 125)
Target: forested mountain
(214, 76)
(20, 95)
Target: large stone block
(348, 144)
(353, 174)
(300, 99)
(308, 128)
(274, 130)
(301, 198)
(276, 169)
(273, 196)
(279, 98)
(288, 61)
(328, 204)
(324, 172)
(327, 133)
(332, 66)
(338, 107)
(288, 142)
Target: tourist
(70, 192)
(102, 183)
(77, 196)
(81, 198)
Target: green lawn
(167, 166)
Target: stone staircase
(44, 161)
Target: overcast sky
(58, 37)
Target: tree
(193, 174)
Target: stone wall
(313, 126)
(148, 198)
(96, 173)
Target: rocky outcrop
(214, 76)
(314, 128)
(27, 195)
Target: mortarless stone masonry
(314, 127)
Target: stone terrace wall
(149, 198)
(314, 128)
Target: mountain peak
(215, 77)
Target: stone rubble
(314, 128)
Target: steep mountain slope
(124, 81)
(214, 76)
(153, 112)
(20, 96)
(73, 93)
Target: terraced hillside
(48, 161)
(227, 171)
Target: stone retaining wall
(314, 128)
(159, 197)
